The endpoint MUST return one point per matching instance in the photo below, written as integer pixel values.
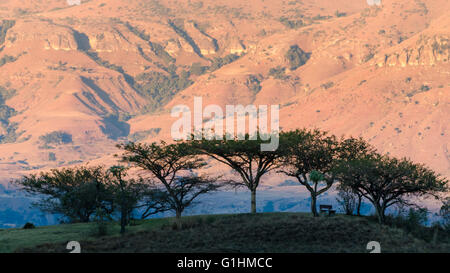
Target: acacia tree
(310, 156)
(243, 156)
(309, 153)
(170, 166)
(153, 201)
(76, 193)
(386, 181)
(126, 193)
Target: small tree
(126, 193)
(242, 156)
(445, 214)
(347, 199)
(309, 152)
(171, 167)
(387, 181)
(73, 192)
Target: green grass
(13, 239)
(265, 232)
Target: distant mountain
(97, 72)
(16, 210)
(77, 79)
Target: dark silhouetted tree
(244, 157)
(171, 169)
(75, 193)
(386, 181)
(310, 156)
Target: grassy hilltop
(265, 232)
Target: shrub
(220, 62)
(7, 59)
(254, 83)
(29, 226)
(347, 199)
(278, 73)
(425, 88)
(413, 222)
(141, 135)
(296, 57)
(4, 27)
(327, 85)
(160, 88)
(100, 227)
(445, 214)
(292, 24)
(6, 113)
(51, 156)
(56, 137)
(161, 52)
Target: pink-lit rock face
(379, 71)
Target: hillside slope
(271, 232)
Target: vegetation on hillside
(4, 27)
(296, 57)
(316, 159)
(9, 133)
(159, 88)
(56, 138)
(268, 232)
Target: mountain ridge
(84, 70)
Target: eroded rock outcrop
(426, 51)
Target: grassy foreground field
(265, 232)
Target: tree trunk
(380, 214)
(123, 221)
(314, 205)
(178, 218)
(435, 235)
(253, 207)
(359, 206)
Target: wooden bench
(327, 209)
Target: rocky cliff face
(98, 70)
(428, 50)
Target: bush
(296, 57)
(254, 83)
(141, 135)
(413, 222)
(51, 156)
(327, 85)
(292, 24)
(445, 214)
(7, 59)
(347, 199)
(425, 88)
(160, 88)
(220, 62)
(6, 113)
(29, 226)
(100, 227)
(278, 73)
(4, 27)
(56, 137)
(6, 94)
